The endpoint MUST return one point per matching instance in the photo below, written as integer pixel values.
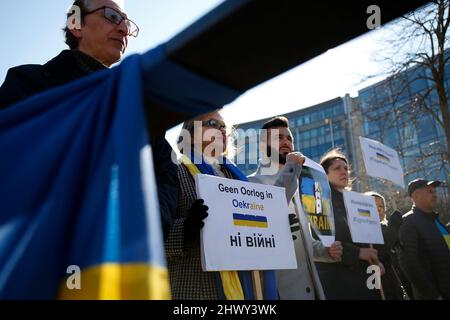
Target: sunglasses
(116, 17)
(213, 123)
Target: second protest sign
(363, 218)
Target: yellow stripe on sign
(364, 213)
(113, 281)
(309, 203)
(244, 223)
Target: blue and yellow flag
(364, 212)
(79, 216)
(443, 230)
(382, 157)
(250, 220)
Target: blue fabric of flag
(77, 181)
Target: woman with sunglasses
(203, 143)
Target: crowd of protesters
(414, 259)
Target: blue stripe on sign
(248, 217)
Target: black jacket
(424, 255)
(24, 81)
(392, 279)
(346, 280)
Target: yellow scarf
(230, 279)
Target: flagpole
(257, 285)
(381, 284)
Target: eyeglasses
(213, 123)
(116, 17)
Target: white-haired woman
(392, 285)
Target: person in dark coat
(99, 42)
(425, 244)
(392, 285)
(345, 280)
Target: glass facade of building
(393, 113)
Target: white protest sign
(247, 227)
(312, 164)
(363, 218)
(381, 161)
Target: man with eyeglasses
(97, 34)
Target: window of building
(328, 113)
(365, 97)
(306, 119)
(306, 144)
(417, 83)
(425, 128)
(339, 134)
(338, 109)
(408, 135)
(391, 138)
(382, 94)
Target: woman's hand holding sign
(335, 251)
(369, 254)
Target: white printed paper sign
(363, 219)
(381, 161)
(247, 227)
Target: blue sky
(31, 33)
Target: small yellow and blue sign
(364, 212)
(383, 157)
(248, 220)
